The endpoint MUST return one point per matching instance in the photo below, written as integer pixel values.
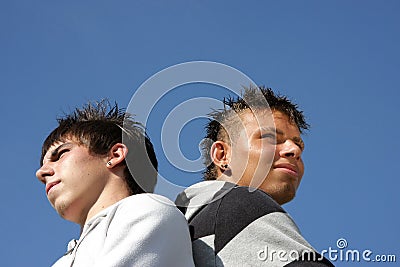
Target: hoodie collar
(198, 195)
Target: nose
(44, 172)
(290, 150)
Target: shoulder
(240, 205)
(139, 227)
(251, 202)
(243, 206)
(151, 200)
(150, 204)
(146, 213)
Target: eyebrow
(295, 138)
(273, 129)
(57, 149)
(280, 132)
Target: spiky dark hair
(251, 98)
(99, 126)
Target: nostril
(39, 175)
(42, 174)
(289, 154)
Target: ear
(116, 155)
(220, 153)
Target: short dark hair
(250, 98)
(99, 126)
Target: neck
(113, 192)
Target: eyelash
(59, 154)
(268, 135)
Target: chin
(282, 194)
(285, 200)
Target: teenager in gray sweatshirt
(254, 165)
(87, 181)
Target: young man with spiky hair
(254, 165)
(87, 181)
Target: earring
(224, 166)
(109, 163)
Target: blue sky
(339, 60)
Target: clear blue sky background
(339, 60)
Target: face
(74, 179)
(268, 157)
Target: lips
(288, 168)
(50, 186)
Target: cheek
(268, 153)
(266, 157)
(82, 168)
(260, 159)
(301, 167)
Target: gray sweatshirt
(237, 226)
(140, 230)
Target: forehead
(283, 122)
(268, 119)
(257, 119)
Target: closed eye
(269, 137)
(299, 142)
(301, 145)
(56, 155)
(60, 151)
